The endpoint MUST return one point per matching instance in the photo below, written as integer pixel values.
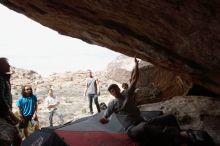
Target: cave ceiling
(179, 35)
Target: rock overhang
(182, 36)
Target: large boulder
(195, 112)
(21, 77)
(120, 69)
(154, 84)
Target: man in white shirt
(51, 103)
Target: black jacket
(5, 95)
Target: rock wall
(181, 35)
(67, 84)
(195, 112)
(154, 84)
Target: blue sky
(29, 45)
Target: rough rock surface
(181, 35)
(66, 84)
(155, 84)
(192, 112)
(22, 77)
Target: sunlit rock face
(195, 112)
(154, 84)
(183, 36)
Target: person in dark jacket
(8, 132)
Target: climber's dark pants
(162, 130)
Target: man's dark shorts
(27, 119)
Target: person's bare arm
(14, 118)
(86, 88)
(20, 111)
(48, 105)
(98, 87)
(20, 115)
(108, 112)
(36, 107)
(103, 120)
(135, 75)
(51, 105)
(35, 111)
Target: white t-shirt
(51, 100)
